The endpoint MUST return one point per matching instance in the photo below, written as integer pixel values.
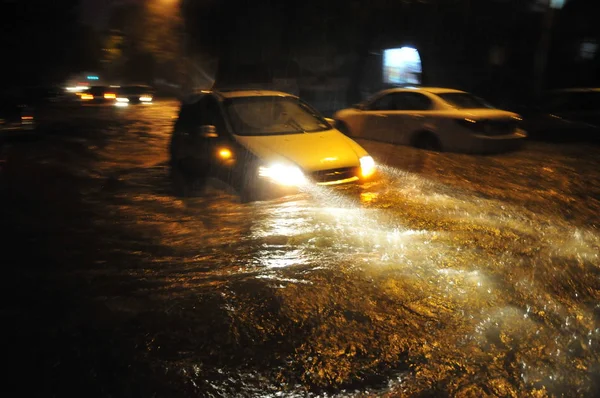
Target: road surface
(450, 275)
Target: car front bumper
(265, 189)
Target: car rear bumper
(495, 144)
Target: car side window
(199, 113)
(385, 103)
(412, 102)
(211, 114)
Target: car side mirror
(208, 131)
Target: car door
(409, 116)
(198, 144)
(404, 115)
(180, 141)
(376, 114)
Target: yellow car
(261, 143)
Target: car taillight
(472, 124)
(27, 119)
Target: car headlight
(367, 166)
(282, 174)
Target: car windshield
(465, 101)
(273, 115)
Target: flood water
(449, 275)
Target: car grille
(332, 175)
(500, 127)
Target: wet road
(451, 275)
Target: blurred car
(434, 119)
(135, 94)
(98, 95)
(262, 143)
(16, 117)
(565, 115)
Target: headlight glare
(367, 166)
(282, 174)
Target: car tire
(428, 141)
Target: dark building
(333, 53)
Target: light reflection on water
(470, 289)
(403, 286)
(462, 270)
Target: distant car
(565, 115)
(16, 117)
(135, 94)
(99, 95)
(262, 143)
(434, 119)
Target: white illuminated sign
(402, 66)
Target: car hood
(310, 151)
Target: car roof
(441, 90)
(432, 90)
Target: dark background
(330, 50)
